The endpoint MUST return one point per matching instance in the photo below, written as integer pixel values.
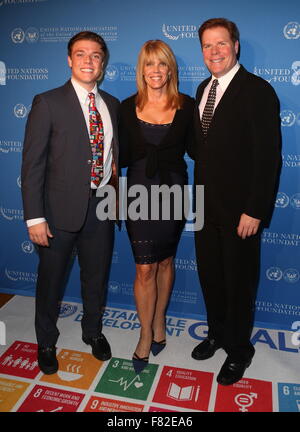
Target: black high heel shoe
(139, 363)
(157, 347)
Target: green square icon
(120, 379)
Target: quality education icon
(184, 388)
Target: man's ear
(236, 46)
(69, 62)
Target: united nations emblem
(27, 247)
(291, 30)
(17, 35)
(20, 111)
(66, 310)
(288, 118)
(282, 200)
(274, 274)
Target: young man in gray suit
(237, 158)
(70, 151)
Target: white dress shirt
(84, 100)
(224, 82)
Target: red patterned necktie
(207, 114)
(96, 140)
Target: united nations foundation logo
(20, 111)
(291, 30)
(31, 34)
(179, 31)
(2, 73)
(282, 200)
(291, 275)
(19, 181)
(17, 275)
(66, 310)
(18, 35)
(274, 274)
(11, 275)
(8, 146)
(288, 118)
(11, 214)
(111, 73)
(27, 247)
(295, 201)
(295, 79)
(286, 75)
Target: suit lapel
(226, 101)
(229, 96)
(112, 112)
(74, 111)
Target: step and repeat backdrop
(33, 59)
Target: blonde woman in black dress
(155, 133)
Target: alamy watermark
(160, 202)
(2, 333)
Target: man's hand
(248, 226)
(39, 234)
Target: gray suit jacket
(57, 156)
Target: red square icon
(184, 388)
(247, 395)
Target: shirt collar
(224, 80)
(82, 93)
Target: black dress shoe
(47, 360)
(100, 346)
(205, 349)
(232, 371)
(157, 347)
(139, 363)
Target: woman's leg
(145, 293)
(165, 279)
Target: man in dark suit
(71, 152)
(237, 158)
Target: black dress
(152, 164)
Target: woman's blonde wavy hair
(165, 54)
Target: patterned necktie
(209, 107)
(96, 140)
